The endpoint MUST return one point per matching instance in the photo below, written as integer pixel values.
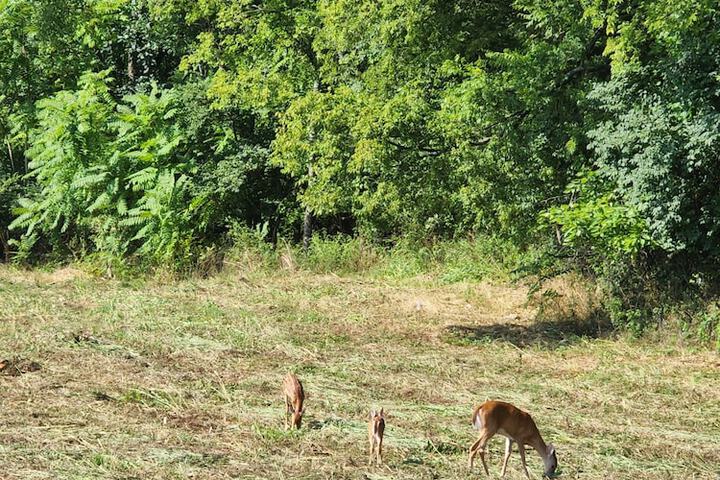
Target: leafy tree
(592, 124)
(111, 174)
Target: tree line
(148, 128)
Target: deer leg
(372, 449)
(473, 450)
(379, 451)
(508, 449)
(482, 457)
(479, 447)
(521, 448)
(287, 413)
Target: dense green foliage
(148, 128)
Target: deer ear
(372, 413)
(382, 412)
(551, 448)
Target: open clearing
(145, 379)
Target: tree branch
(424, 151)
(565, 79)
(581, 68)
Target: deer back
(293, 390)
(505, 418)
(376, 427)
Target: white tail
(376, 430)
(294, 398)
(516, 426)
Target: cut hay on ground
(182, 380)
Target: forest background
(475, 139)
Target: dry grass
(142, 380)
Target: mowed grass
(181, 379)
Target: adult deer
(294, 398)
(516, 426)
(376, 429)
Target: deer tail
(476, 420)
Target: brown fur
(517, 426)
(376, 430)
(294, 398)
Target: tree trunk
(131, 68)
(307, 220)
(10, 155)
(5, 246)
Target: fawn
(294, 398)
(376, 429)
(516, 426)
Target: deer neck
(541, 448)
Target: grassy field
(181, 379)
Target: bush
(708, 325)
(340, 254)
(478, 258)
(249, 248)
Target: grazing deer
(294, 398)
(376, 429)
(516, 426)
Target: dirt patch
(478, 302)
(61, 275)
(567, 297)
